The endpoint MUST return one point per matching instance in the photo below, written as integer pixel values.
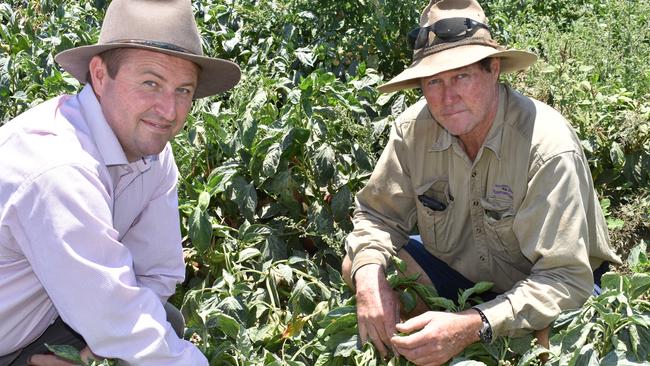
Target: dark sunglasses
(447, 30)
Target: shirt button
(474, 174)
(475, 202)
(482, 258)
(478, 230)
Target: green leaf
(345, 323)
(274, 248)
(245, 197)
(346, 348)
(247, 132)
(302, 293)
(305, 55)
(225, 323)
(408, 299)
(322, 219)
(476, 289)
(637, 255)
(361, 158)
(253, 234)
(204, 201)
(284, 273)
(248, 253)
(440, 303)
(271, 160)
(565, 318)
(67, 352)
(293, 141)
(399, 263)
(324, 160)
(341, 204)
(611, 280)
(639, 285)
(200, 230)
(617, 155)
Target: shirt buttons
(482, 258)
(474, 174)
(475, 203)
(478, 230)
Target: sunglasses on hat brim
(446, 30)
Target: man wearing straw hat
(498, 187)
(90, 244)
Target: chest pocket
(498, 219)
(434, 207)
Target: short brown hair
(486, 64)
(113, 60)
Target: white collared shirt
(86, 235)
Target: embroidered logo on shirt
(502, 190)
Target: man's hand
(435, 337)
(377, 307)
(52, 360)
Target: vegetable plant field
(269, 170)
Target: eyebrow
(185, 84)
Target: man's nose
(166, 106)
(449, 94)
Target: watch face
(486, 333)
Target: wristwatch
(485, 333)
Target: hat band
(426, 51)
(156, 44)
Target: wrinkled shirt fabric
(88, 236)
(523, 215)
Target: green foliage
(269, 170)
(71, 354)
(611, 328)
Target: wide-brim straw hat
(165, 26)
(439, 55)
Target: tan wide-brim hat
(440, 55)
(167, 27)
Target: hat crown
(443, 9)
(168, 23)
(462, 39)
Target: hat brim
(216, 75)
(453, 58)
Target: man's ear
(495, 66)
(98, 74)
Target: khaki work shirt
(523, 215)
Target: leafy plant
(611, 328)
(269, 170)
(71, 354)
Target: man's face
(463, 100)
(147, 102)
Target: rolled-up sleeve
(385, 208)
(552, 229)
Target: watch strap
(485, 333)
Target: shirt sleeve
(385, 209)
(552, 229)
(154, 240)
(63, 224)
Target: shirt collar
(493, 138)
(107, 143)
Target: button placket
(476, 213)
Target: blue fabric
(449, 282)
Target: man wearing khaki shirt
(500, 191)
